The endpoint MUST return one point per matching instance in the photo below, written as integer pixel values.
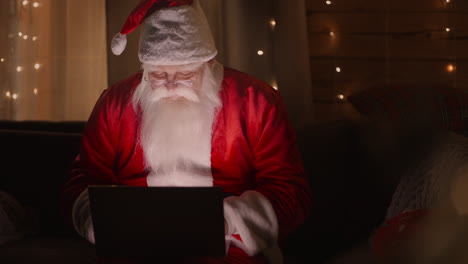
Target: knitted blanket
(425, 183)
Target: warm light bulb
(448, 1)
(447, 29)
(340, 96)
(274, 84)
(338, 69)
(8, 94)
(37, 66)
(273, 23)
(14, 96)
(35, 91)
(25, 37)
(34, 38)
(25, 2)
(328, 2)
(20, 34)
(19, 69)
(2, 60)
(260, 52)
(332, 34)
(451, 68)
(36, 4)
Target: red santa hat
(175, 32)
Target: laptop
(161, 222)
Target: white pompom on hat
(175, 32)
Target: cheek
(197, 85)
(158, 83)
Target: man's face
(176, 82)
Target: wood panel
(391, 23)
(325, 69)
(356, 76)
(406, 36)
(377, 42)
(328, 91)
(387, 5)
(380, 47)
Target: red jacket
(253, 147)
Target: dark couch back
(46, 126)
(34, 166)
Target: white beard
(176, 133)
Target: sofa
(354, 166)
(35, 158)
(37, 155)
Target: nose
(171, 84)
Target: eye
(184, 75)
(158, 75)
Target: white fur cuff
(251, 216)
(81, 216)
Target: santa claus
(186, 120)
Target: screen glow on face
(186, 79)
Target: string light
(260, 52)
(338, 69)
(19, 69)
(36, 4)
(328, 2)
(36, 91)
(2, 60)
(14, 96)
(8, 94)
(332, 34)
(25, 37)
(37, 66)
(25, 2)
(274, 84)
(20, 34)
(272, 23)
(448, 1)
(451, 68)
(447, 29)
(340, 96)
(34, 38)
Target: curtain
(53, 62)
(267, 39)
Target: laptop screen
(158, 221)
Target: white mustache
(182, 91)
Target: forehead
(172, 68)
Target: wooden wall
(386, 42)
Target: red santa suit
(253, 155)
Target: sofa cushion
(34, 168)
